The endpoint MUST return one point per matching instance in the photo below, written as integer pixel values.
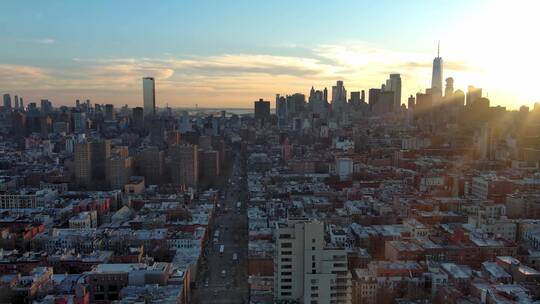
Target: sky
(230, 53)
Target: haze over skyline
(229, 54)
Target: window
(286, 294)
(285, 236)
(313, 265)
(286, 259)
(286, 280)
(313, 240)
(286, 252)
(313, 258)
(286, 245)
(286, 287)
(286, 266)
(286, 273)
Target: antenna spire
(438, 48)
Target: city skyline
(220, 62)
(278, 152)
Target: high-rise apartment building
(83, 164)
(208, 165)
(305, 268)
(150, 162)
(118, 171)
(185, 165)
(149, 96)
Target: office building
(373, 97)
(281, 107)
(436, 78)
(109, 112)
(385, 102)
(295, 104)
(394, 84)
(306, 270)
(46, 105)
(449, 89)
(424, 103)
(185, 165)
(137, 121)
(100, 152)
(7, 101)
(339, 96)
(149, 96)
(473, 94)
(262, 110)
(79, 121)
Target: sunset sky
(230, 53)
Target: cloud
(14, 76)
(234, 79)
(39, 41)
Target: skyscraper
(473, 94)
(137, 119)
(149, 96)
(339, 96)
(374, 95)
(7, 101)
(449, 89)
(109, 112)
(394, 84)
(437, 77)
(100, 152)
(262, 109)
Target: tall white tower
(149, 96)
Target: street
(222, 277)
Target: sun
(500, 48)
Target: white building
(344, 168)
(305, 270)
